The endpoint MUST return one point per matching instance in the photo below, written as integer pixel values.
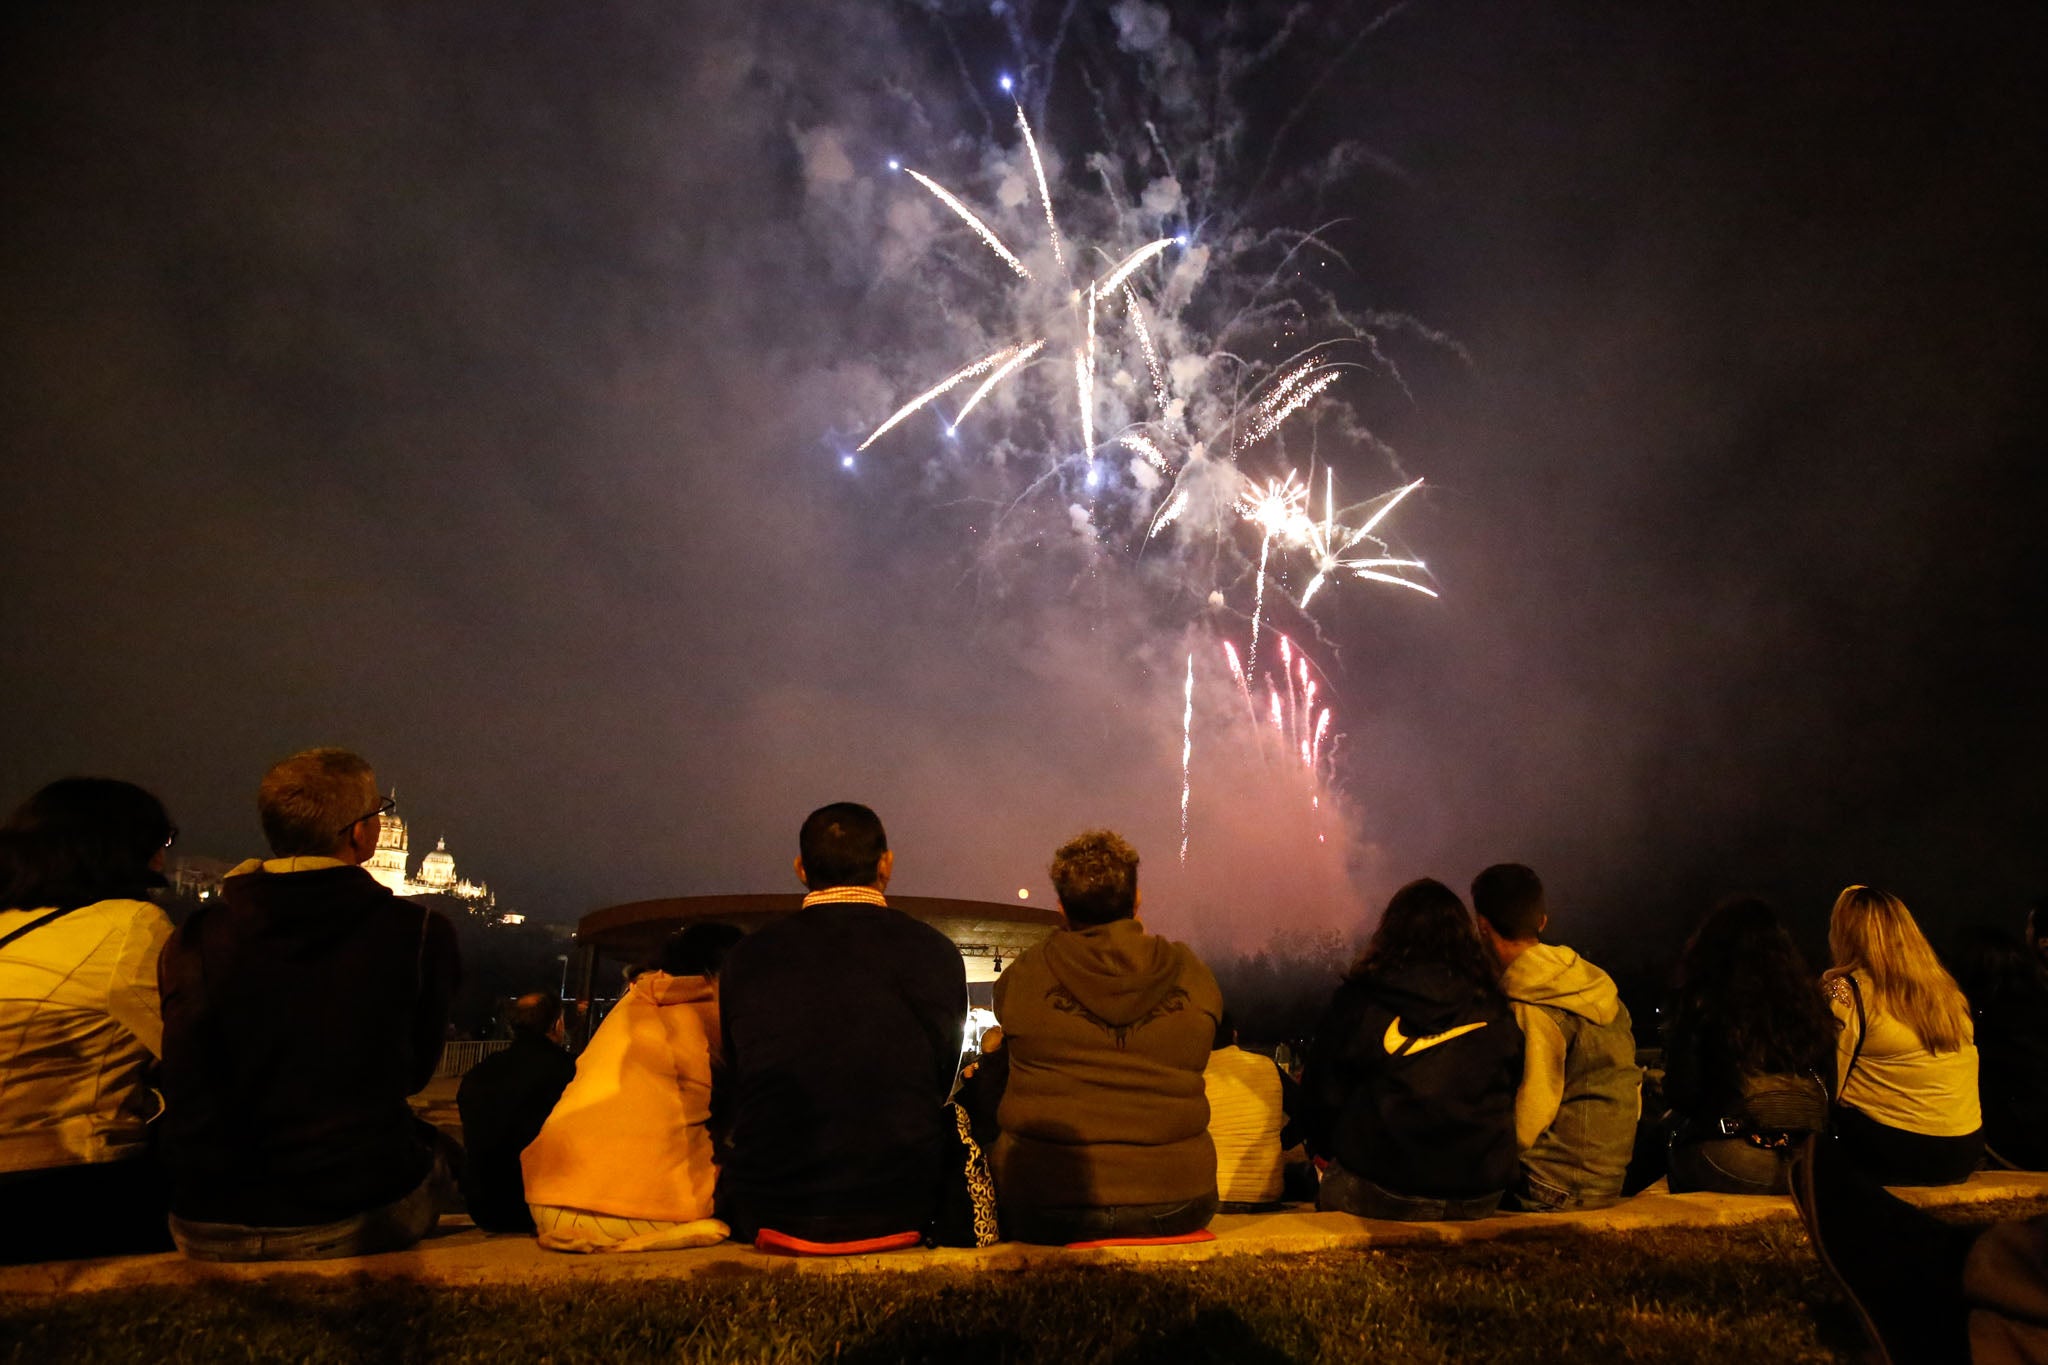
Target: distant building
(436, 873)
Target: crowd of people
(238, 1086)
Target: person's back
(302, 1006)
(1246, 1115)
(625, 1161)
(503, 1100)
(1748, 1055)
(1104, 1121)
(1906, 1082)
(1411, 1082)
(842, 1027)
(2007, 988)
(80, 1025)
(1581, 1093)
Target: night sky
(469, 385)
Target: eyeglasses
(384, 808)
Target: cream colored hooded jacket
(80, 1027)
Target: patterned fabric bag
(967, 1206)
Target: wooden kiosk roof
(633, 932)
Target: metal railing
(458, 1058)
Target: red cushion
(1180, 1239)
(768, 1239)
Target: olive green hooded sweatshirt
(1108, 1030)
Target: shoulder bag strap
(34, 924)
(1862, 1029)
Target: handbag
(967, 1202)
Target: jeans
(1534, 1194)
(1057, 1227)
(393, 1227)
(1344, 1192)
(1727, 1166)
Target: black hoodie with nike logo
(1411, 1084)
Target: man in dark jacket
(301, 1008)
(842, 1027)
(504, 1099)
(1105, 1123)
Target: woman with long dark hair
(1747, 1051)
(1907, 1053)
(80, 1022)
(1411, 1080)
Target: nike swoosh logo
(1399, 1044)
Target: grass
(1679, 1295)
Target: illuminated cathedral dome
(437, 869)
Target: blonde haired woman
(1905, 1059)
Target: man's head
(321, 804)
(843, 845)
(698, 949)
(535, 1016)
(1508, 898)
(1095, 876)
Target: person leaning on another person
(504, 1099)
(1581, 1092)
(1906, 1055)
(625, 1161)
(302, 1006)
(80, 1028)
(1105, 1126)
(1411, 1081)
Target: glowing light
(846, 461)
(1023, 893)
(1004, 82)
(1187, 752)
(967, 216)
(997, 376)
(1052, 229)
(957, 377)
(1108, 283)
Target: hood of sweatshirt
(1559, 978)
(659, 988)
(1425, 999)
(1116, 971)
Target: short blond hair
(310, 800)
(1873, 932)
(1095, 875)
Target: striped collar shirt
(845, 895)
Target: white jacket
(80, 1026)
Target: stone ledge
(462, 1257)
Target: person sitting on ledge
(625, 1161)
(842, 1030)
(504, 1099)
(1411, 1081)
(1748, 1053)
(1104, 1123)
(1906, 1054)
(1248, 1111)
(80, 1028)
(301, 1007)
(1581, 1092)
(2008, 992)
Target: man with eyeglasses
(301, 1007)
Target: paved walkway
(462, 1256)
